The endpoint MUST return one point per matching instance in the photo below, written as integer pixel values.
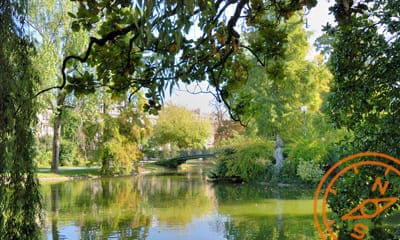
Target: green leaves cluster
(245, 159)
(363, 57)
(270, 102)
(19, 196)
(181, 127)
(365, 89)
(154, 44)
(122, 138)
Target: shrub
(245, 159)
(69, 154)
(118, 157)
(305, 152)
(309, 171)
(44, 151)
(43, 159)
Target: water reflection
(174, 206)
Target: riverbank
(73, 173)
(65, 174)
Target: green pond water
(175, 205)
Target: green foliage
(310, 171)
(181, 127)
(122, 137)
(71, 122)
(43, 158)
(310, 150)
(43, 151)
(246, 159)
(365, 91)
(270, 103)
(69, 154)
(20, 206)
(149, 44)
(318, 148)
(118, 157)
(363, 52)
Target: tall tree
(180, 127)
(52, 26)
(270, 102)
(364, 58)
(126, 127)
(19, 195)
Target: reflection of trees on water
(54, 206)
(101, 209)
(127, 208)
(124, 208)
(254, 212)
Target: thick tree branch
(233, 20)
(99, 41)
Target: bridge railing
(158, 154)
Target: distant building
(44, 126)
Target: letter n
(378, 183)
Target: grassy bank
(44, 174)
(69, 173)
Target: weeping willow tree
(19, 196)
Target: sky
(316, 18)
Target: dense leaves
(182, 128)
(243, 159)
(19, 196)
(153, 44)
(122, 136)
(364, 59)
(271, 102)
(365, 62)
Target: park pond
(175, 205)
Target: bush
(118, 157)
(306, 152)
(309, 171)
(245, 159)
(43, 159)
(307, 149)
(44, 151)
(69, 154)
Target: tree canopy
(270, 103)
(181, 127)
(19, 195)
(155, 44)
(364, 59)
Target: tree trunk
(57, 133)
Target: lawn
(68, 172)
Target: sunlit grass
(68, 172)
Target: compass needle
(378, 208)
